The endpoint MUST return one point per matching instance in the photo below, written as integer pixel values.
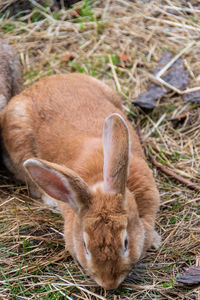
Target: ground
(119, 42)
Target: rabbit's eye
(84, 245)
(125, 244)
(86, 249)
(87, 252)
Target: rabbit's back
(58, 114)
(72, 103)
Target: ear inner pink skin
(116, 147)
(55, 184)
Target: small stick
(165, 170)
(114, 74)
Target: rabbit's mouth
(108, 285)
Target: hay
(33, 262)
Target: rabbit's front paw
(156, 240)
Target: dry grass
(33, 262)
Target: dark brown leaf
(75, 13)
(124, 57)
(66, 56)
(148, 100)
(176, 76)
(192, 97)
(191, 276)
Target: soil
(24, 7)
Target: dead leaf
(191, 276)
(192, 97)
(66, 56)
(124, 57)
(75, 13)
(176, 75)
(148, 100)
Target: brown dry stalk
(165, 170)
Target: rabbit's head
(108, 236)
(113, 238)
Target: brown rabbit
(11, 76)
(103, 187)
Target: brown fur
(60, 120)
(11, 77)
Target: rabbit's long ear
(59, 183)
(116, 145)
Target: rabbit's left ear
(116, 145)
(65, 185)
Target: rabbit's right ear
(63, 185)
(116, 146)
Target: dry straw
(33, 261)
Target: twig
(163, 168)
(70, 284)
(61, 292)
(156, 125)
(114, 74)
(176, 24)
(96, 46)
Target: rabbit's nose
(108, 285)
